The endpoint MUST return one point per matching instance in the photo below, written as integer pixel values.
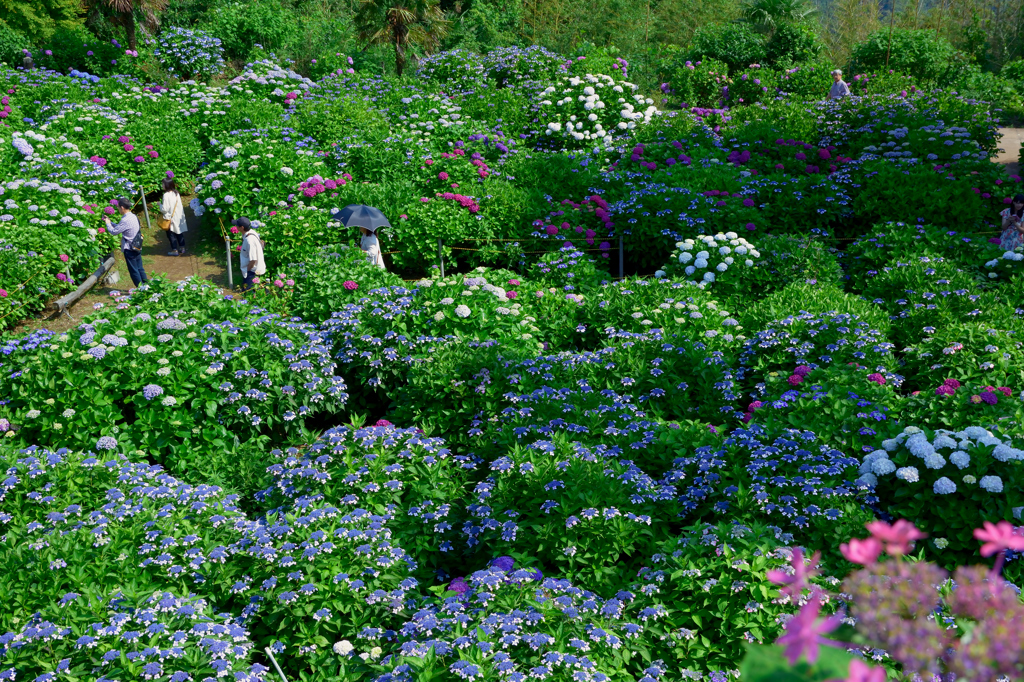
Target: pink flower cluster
(350, 285)
(750, 410)
(798, 375)
(990, 395)
(318, 185)
(877, 378)
(638, 153)
(98, 160)
(464, 201)
(5, 107)
(948, 387)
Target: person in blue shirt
(131, 243)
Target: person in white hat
(371, 245)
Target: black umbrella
(358, 215)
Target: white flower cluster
(590, 112)
(423, 115)
(1005, 264)
(961, 447)
(705, 257)
(268, 79)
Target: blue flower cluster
(187, 53)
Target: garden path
(1010, 142)
(205, 258)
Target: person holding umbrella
(371, 245)
(368, 220)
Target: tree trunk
(128, 19)
(399, 58)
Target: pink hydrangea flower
(877, 378)
(350, 285)
(795, 379)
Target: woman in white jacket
(371, 245)
(171, 208)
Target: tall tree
(123, 13)
(401, 24)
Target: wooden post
(227, 245)
(440, 254)
(622, 260)
(145, 208)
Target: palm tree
(122, 13)
(766, 15)
(401, 23)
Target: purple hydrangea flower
(150, 391)
(106, 443)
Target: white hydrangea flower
(908, 474)
(993, 484)
(944, 486)
(462, 311)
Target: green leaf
(767, 663)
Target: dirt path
(205, 258)
(1010, 141)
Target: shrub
(456, 70)
(79, 50)
(918, 53)
(793, 43)
(11, 45)
(251, 28)
(949, 482)
(187, 53)
(698, 83)
(738, 45)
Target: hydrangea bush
(188, 53)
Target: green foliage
(11, 45)
(39, 19)
(241, 25)
(794, 43)
(76, 48)
(768, 663)
(737, 45)
(918, 53)
(321, 280)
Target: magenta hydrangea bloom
(795, 379)
(877, 378)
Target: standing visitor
(251, 255)
(131, 240)
(371, 245)
(839, 86)
(1013, 225)
(171, 209)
